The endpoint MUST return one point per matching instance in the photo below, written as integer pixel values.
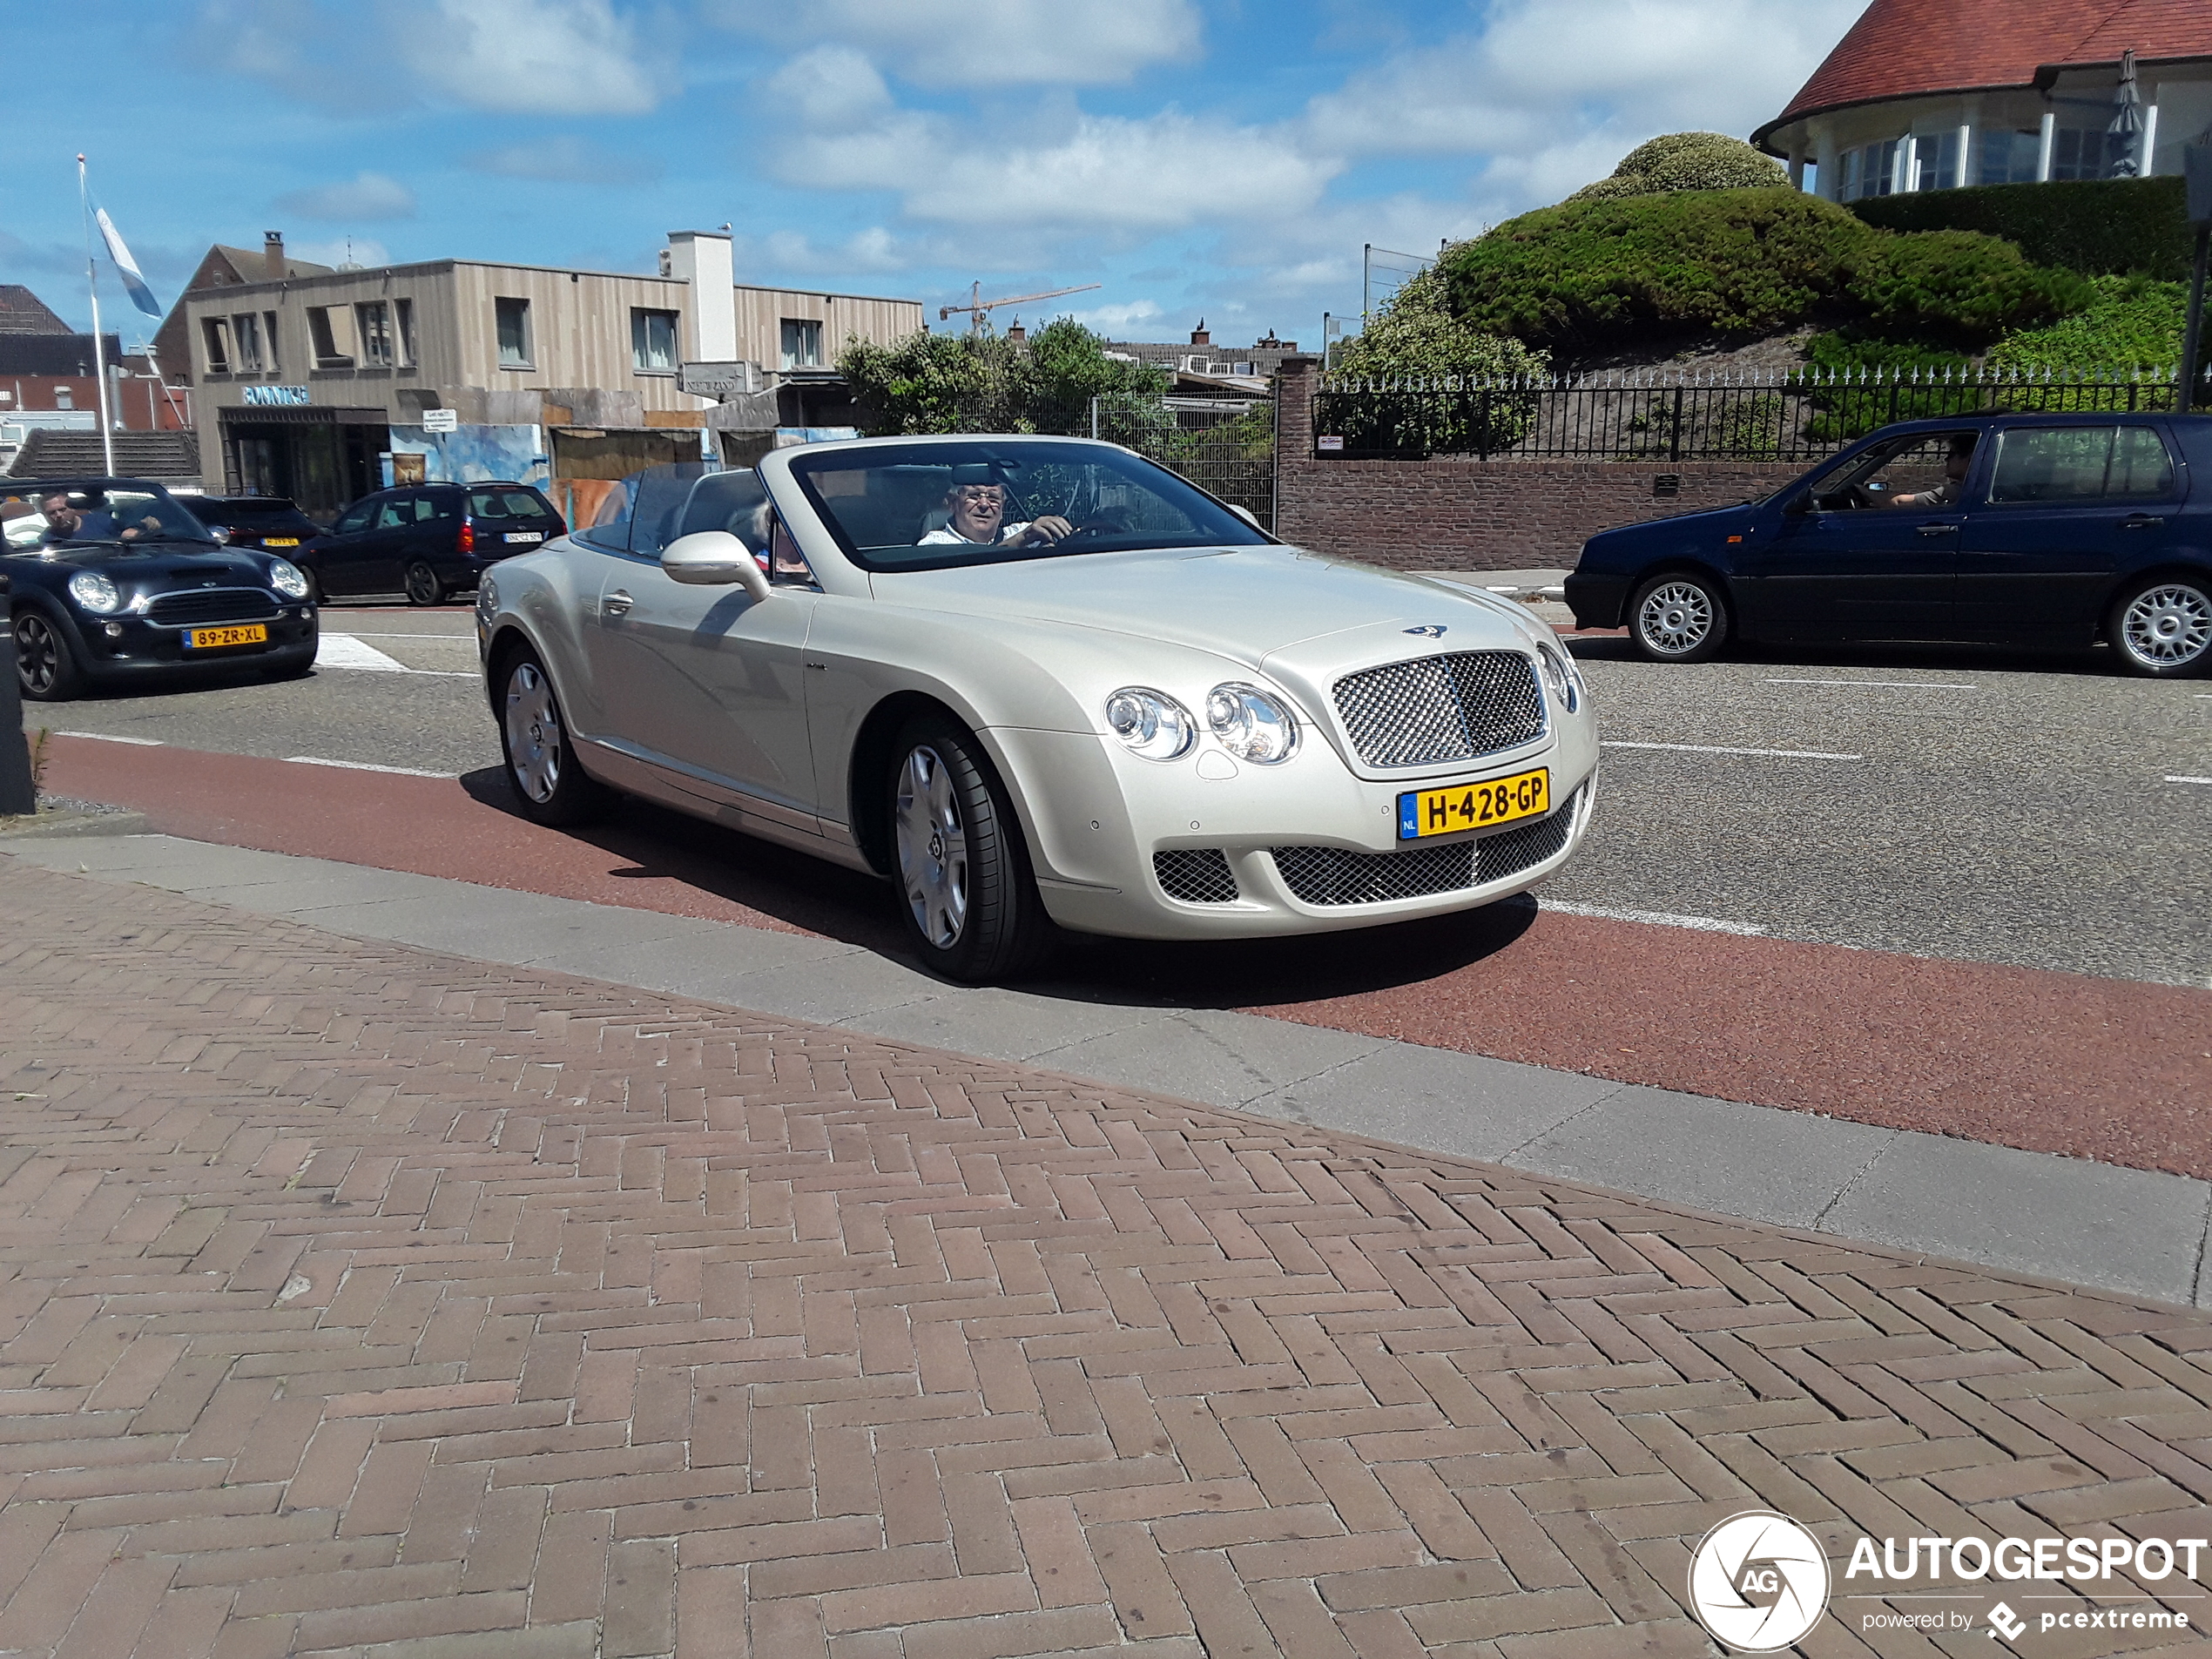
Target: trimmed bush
(1586, 275)
(1687, 161)
(2096, 226)
(2134, 324)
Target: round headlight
(95, 592)
(1252, 725)
(287, 579)
(486, 595)
(1151, 723)
(1561, 678)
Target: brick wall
(1476, 515)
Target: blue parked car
(2021, 530)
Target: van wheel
(966, 893)
(1679, 617)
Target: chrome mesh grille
(1435, 709)
(1195, 875)
(212, 604)
(1336, 875)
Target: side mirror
(714, 559)
(220, 535)
(1798, 505)
(1247, 514)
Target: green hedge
(1591, 275)
(2097, 227)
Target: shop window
(216, 333)
(652, 342)
(403, 331)
(513, 317)
(331, 335)
(802, 343)
(246, 334)
(373, 327)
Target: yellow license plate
(280, 541)
(1474, 807)
(246, 633)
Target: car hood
(162, 566)
(1708, 529)
(1245, 604)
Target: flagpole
(93, 284)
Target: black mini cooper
(113, 579)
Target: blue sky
(1221, 158)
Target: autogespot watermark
(1760, 1580)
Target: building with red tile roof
(1922, 96)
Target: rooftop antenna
(978, 307)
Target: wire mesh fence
(1663, 415)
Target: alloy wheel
(2168, 626)
(1676, 617)
(38, 654)
(422, 586)
(534, 753)
(932, 846)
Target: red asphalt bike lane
(2111, 1069)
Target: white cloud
(1121, 322)
(830, 85)
(973, 45)
(366, 195)
(525, 56)
(342, 251)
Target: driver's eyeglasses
(982, 494)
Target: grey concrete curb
(50, 825)
(2135, 1231)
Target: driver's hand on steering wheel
(1050, 527)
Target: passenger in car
(1955, 465)
(977, 511)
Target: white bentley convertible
(1038, 677)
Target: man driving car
(68, 522)
(976, 509)
(1956, 462)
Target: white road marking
(1722, 749)
(363, 766)
(110, 736)
(347, 651)
(1664, 919)
(2207, 782)
(357, 633)
(1886, 686)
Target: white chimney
(702, 259)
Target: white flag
(134, 284)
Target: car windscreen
(95, 515)
(933, 504)
(509, 502)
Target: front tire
(550, 785)
(2164, 627)
(423, 587)
(45, 667)
(966, 893)
(1679, 617)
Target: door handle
(1939, 530)
(617, 604)
(2141, 522)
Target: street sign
(717, 379)
(276, 397)
(441, 420)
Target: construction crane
(978, 307)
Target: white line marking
(1720, 749)
(356, 633)
(2205, 781)
(363, 766)
(110, 736)
(1664, 919)
(343, 650)
(1887, 685)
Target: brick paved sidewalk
(361, 1299)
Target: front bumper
(1096, 816)
(142, 648)
(1596, 598)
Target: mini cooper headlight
(1252, 725)
(287, 579)
(1561, 678)
(1151, 723)
(95, 592)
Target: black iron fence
(1658, 415)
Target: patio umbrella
(2126, 124)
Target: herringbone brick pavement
(357, 1299)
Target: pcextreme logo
(1760, 1581)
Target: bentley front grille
(1195, 875)
(1336, 875)
(1436, 710)
(198, 605)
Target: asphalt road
(1979, 807)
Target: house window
(1870, 170)
(64, 398)
(514, 317)
(652, 342)
(246, 334)
(269, 342)
(2010, 157)
(802, 343)
(2091, 152)
(329, 333)
(403, 331)
(373, 327)
(1935, 155)
(217, 332)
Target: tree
(969, 382)
(1448, 408)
